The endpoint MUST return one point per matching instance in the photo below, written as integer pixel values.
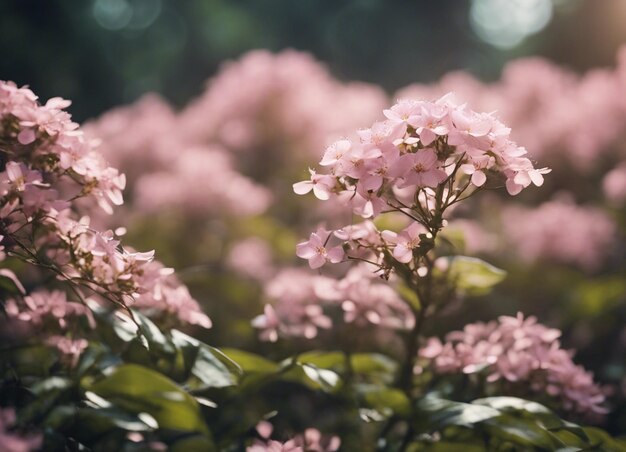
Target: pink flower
(357, 162)
(521, 173)
(335, 152)
(403, 113)
(18, 177)
(405, 242)
(431, 122)
(365, 232)
(419, 169)
(366, 203)
(321, 185)
(268, 323)
(314, 250)
(476, 169)
(470, 128)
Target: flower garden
(337, 268)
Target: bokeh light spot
(145, 12)
(119, 14)
(112, 14)
(506, 23)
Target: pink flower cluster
(42, 305)
(552, 111)
(296, 310)
(298, 302)
(167, 170)
(311, 440)
(522, 352)
(267, 101)
(165, 295)
(198, 181)
(50, 167)
(11, 441)
(45, 137)
(418, 162)
(48, 314)
(559, 230)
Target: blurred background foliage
(102, 53)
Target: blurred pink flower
(560, 230)
(11, 441)
(42, 305)
(311, 440)
(71, 348)
(296, 310)
(251, 257)
(614, 184)
(162, 293)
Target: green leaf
(153, 334)
(335, 361)
(149, 334)
(473, 276)
(599, 437)
(48, 394)
(50, 384)
(513, 404)
(137, 390)
(446, 446)
(249, 362)
(212, 370)
(31, 360)
(443, 413)
(550, 420)
(525, 432)
(312, 377)
(211, 366)
(100, 420)
(60, 416)
(510, 420)
(375, 367)
(387, 401)
(191, 443)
